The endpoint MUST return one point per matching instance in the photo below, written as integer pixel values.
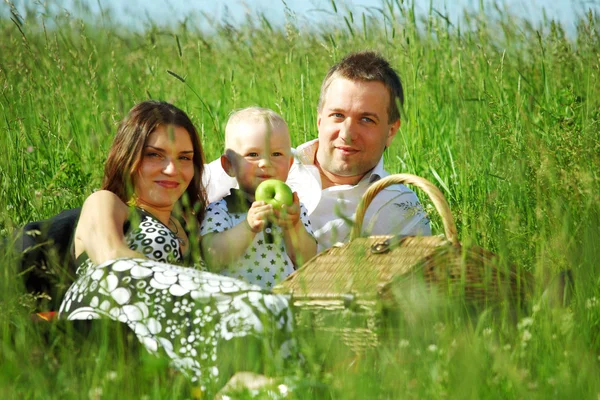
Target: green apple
(275, 193)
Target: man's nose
(347, 131)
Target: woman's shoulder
(105, 200)
(104, 195)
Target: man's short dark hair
(367, 66)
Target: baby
(257, 148)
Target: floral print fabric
(180, 311)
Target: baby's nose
(264, 162)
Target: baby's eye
(252, 155)
(277, 154)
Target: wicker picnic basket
(356, 281)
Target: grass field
(503, 116)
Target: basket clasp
(381, 247)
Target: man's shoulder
(217, 182)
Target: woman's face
(166, 169)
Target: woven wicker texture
(343, 290)
(361, 267)
(368, 268)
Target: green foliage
(501, 115)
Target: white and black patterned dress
(183, 312)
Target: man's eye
(367, 119)
(337, 115)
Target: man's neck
(328, 179)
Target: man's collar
(377, 173)
(306, 152)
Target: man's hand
(258, 215)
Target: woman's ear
(227, 165)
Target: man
(358, 117)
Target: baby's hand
(287, 217)
(258, 216)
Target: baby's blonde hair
(253, 114)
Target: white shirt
(395, 210)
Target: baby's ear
(227, 166)
(291, 161)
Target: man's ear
(392, 132)
(227, 165)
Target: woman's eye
(152, 155)
(185, 158)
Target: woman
(129, 237)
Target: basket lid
(361, 267)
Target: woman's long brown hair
(125, 155)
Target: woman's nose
(170, 167)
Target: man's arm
(396, 212)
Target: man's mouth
(346, 151)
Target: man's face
(353, 129)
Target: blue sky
(135, 12)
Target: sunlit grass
(501, 115)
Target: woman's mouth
(168, 184)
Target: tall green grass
(502, 115)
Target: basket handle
(438, 199)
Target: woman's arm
(100, 228)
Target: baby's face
(256, 153)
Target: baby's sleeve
(305, 220)
(217, 219)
